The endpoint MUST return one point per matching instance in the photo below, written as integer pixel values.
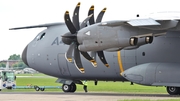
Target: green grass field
(103, 86)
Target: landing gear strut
(173, 90)
(69, 88)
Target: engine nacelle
(97, 38)
(145, 40)
(103, 44)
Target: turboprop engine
(97, 38)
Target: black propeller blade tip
(107, 65)
(94, 63)
(78, 5)
(91, 8)
(82, 70)
(104, 10)
(67, 12)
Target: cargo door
(63, 66)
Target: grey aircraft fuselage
(45, 53)
(143, 51)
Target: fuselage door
(63, 66)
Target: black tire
(0, 89)
(37, 88)
(173, 90)
(66, 88)
(73, 87)
(9, 88)
(42, 89)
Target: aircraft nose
(24, 56)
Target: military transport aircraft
(141, 50)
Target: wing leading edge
(38, 26)
(144, 23)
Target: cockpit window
(40, 37)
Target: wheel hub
(172, 89)
(66, 87)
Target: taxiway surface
(81, 96)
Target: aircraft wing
(37, 26)
(143, 22)
(148, 23)
(135, 22)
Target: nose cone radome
(24, 56)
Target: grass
(102, 86)
(122, 87)
(27, 74)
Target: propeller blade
(69, 35)
(86, 55)
(100, 16)
(91, 11)
(68, 54)
(93, 55)
(68, 22)
(102, 58)
(76, 16)
(77, 60)
(84, 23)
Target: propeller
(74, 27)
(91, 21)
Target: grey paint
(156, 74)
(152, 64)
(149, 53)
(43, 56)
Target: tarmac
(79, 96)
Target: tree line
(17, 65)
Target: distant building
(11, 62)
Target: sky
(18, 13)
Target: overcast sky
(16, 13)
